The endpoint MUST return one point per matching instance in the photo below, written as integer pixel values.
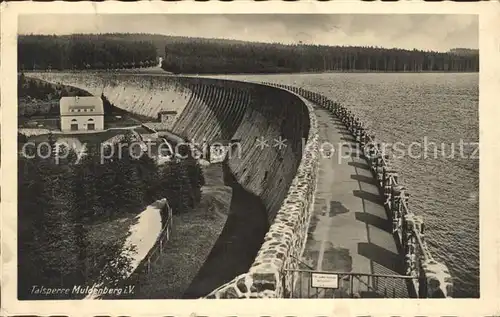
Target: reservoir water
(433, 118)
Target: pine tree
(47, 228)
(87, 193)
(196, 178)
(128, 173)
(177, 186)
(21, 138)
(58, 226)
(30, 214)
(149, 176)
(52, 144)
(132, 194)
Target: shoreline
(166, 73)
(327, 72)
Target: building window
(90, 124)
(74, 125)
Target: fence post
(351, 282)
(422, 283)
(170, 216)
(388, 192)
(410, 244)
(283, 284)
(395, 177)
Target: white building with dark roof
(81, 113)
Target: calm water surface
(409, 108)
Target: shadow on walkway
(374, 198)
(372, 220)
(364, 179)
(359, 165)
(384, 257)
(358, 155)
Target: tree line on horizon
(205, 55)
(83, 51)
(60, 200)
(200, 56)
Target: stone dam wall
(283, 177)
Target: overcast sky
(432, 32)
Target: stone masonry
(286, 238)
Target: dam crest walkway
(349, 229)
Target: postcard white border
(489, 43)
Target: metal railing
(348, 285)
(407, 228)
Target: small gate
(325, 284)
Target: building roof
(167, 112)
(81, 106)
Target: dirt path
(237, 246)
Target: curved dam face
(270, 125)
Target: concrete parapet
(438, 279)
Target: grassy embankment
(193, 236)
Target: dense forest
(39, 98)
(212, 57)
(200, 55)
(41, 90)
(60, 199)
(78, 51)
